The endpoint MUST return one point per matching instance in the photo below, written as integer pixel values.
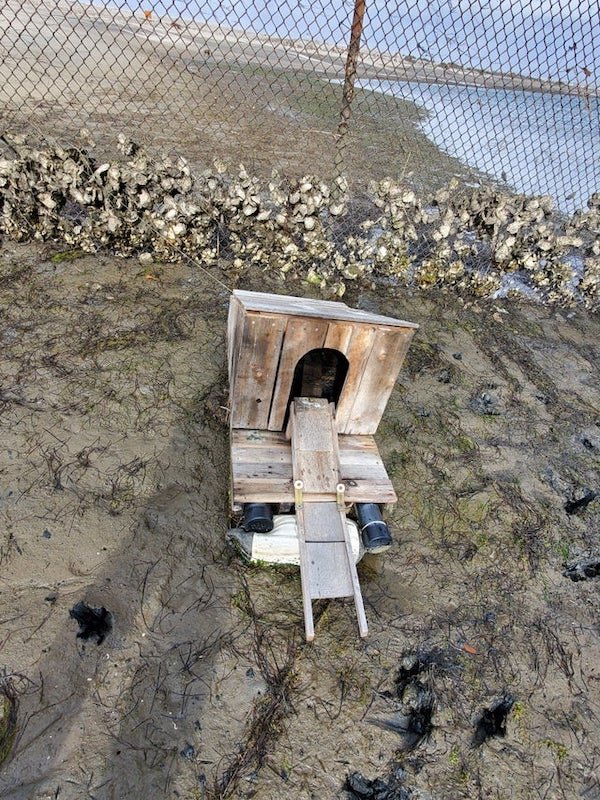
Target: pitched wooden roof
(321, 309)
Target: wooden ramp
(327, 565)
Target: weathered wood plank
(314, 445)
(357, 443)
(320, 472)
(262, 468)
(338, 336)
(357, 352)
(322, 521)
(261, 489)
(235, 323)
(328, 570)
(359, 605)
(265, 472)
(301, 336)
(302, 306)
(377, 380)
(255, 490)
(309, 626)
(326, 560)
(252, 437)
(255, 370)
(261, 439)
(313, 424)
(314, 457)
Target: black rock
(188, 752)
(492, 721)
(93, 622)
(583, 569)
(485, 403)
(579, 503)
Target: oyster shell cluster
(469, 240)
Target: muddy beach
(480, 674)
(139, 657)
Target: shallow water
(538, 143)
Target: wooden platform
(327, 567)
(261, 464)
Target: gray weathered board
(306, 307)
(327, 567)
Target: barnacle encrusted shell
(464, 239)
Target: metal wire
(500, 91)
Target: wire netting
(475, 94)
(443, 88)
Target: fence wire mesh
(489, 97)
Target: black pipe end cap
(258, 518)
(377, 538)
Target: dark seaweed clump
(93, 622)
(414, 689)
(583, 569)
(492, 721)
(576, 505)
(361, 788)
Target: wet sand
(114, 491)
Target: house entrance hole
(319, 373)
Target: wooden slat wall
(265, 348)
(377, 380)
(301, 336)
(357, 352)
(255, 369)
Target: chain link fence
(491, 99)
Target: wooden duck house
(309, 381)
